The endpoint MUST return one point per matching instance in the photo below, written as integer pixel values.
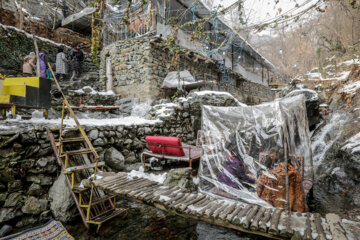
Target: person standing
(76, 59)
(43, 64)
(61, 66)
(29, 65)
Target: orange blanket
(273, 190)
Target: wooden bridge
(254, 219)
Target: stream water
(148, 223)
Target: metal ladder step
(76, 152)
(83, 167)
(109, 215)
(77, 189)
(102, 199)
(68, 140)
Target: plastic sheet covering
(244, 152)
(186, 80)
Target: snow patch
(160, 178)
(350, 62)
(352, 144)
(90, 90)
(125, 121)
(164, 110)
(350, 88)
(338, 76)
(140, 110)
(164, 198)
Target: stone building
(135, 54)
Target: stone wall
(144, 63)
(30, 175)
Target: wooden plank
(255, 223)
(190, 197)
(231, 216)
(249, 217)
(274, 222)
(319, 228)
(212, 207)
(307, 233)
(121, 185)
(263, 223)
(222, 207)
(109, 179)
(336, 229)
(227, 211)
(116, 184)
(287, 231)
(241, 214)
(141, 194)
(183, 199)
(165, 193)
(198, 198)
(146, 194)
(131, 192)
(143, 188)
(157, 194)
(132, 187)
(200, 207)
(173, 197)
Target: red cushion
(154, 142)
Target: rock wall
(27, 171)
(144, 63)
(14, 42)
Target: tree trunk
(55, 13)
(21, 15)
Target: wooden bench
(170, 148)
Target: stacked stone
(27, 171)
(88, 99)
(144, 63)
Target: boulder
(62, 205)
(99, 142)
(14, 186)
(131, 158)
(312, 105)
(34, 206)
(27, 220)
(13, 200)
(7, 214)
(94, 134)
(114, 159)
(180, 177)
(35, 190)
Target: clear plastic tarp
(181, 79)
(244, 152)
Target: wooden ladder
(80, 162)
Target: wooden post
(286, 173)
(37, 57)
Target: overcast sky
(262, 10)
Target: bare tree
(55, 13)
